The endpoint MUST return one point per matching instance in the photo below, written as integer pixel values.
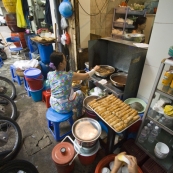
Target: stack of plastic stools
(54, 119)
(46, 97)
(27, 87)
(150, 166)
(132, 149)
(14, 76)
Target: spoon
(137, 106)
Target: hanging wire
(97, 7)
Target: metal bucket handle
(78, 148)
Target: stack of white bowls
(161, 150)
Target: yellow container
(10, 5)
(167, 78)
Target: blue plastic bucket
(36, 95)
(33, 73)
(45, 52)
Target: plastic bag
(64, 23)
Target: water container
(36, 94)
(154, 133)
(34, 78)
(45, 52)
(143, 135)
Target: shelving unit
(124, 12)
(166, 134)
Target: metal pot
(118, 79)
(83, 142)
(104, 75)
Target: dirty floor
(37, 140)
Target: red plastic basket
(105, 163)
(131, 148)
(150, 166)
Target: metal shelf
(161, 125)
(123, 10)
(122, 24)
(108, 86)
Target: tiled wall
(161, 40)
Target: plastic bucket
(36, 94)
(90, 114)
(105, 163)
(87, 158)
(45, 52)
(34, 78)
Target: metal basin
(134, 37)
(87, 100)
(105, 74)
(118, 79)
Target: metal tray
(108, 124)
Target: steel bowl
(118, 83)
(87, 143)
(135, 37)
(104, 75)
(87, 100)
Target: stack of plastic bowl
(161, 150)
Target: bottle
(143, 135)
(152, 124)
(149, 127)
(153, 134)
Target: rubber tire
(10, 83)
(14, 116)
(18, 144)
(3, 55)
(22, 165)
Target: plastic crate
(151, 166)
(132, 149)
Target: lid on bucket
(32, 72)
(63, 153)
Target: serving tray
(115, 115)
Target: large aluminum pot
(79, 130)
(105, 74)
(87, 100)
(119, 79)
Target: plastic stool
(1, 62)
(15, 77)
(27, 87)
(54, 119)
(46, 97)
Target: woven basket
(10, 5)
(19, 72)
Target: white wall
(161, 40)
(84, 21)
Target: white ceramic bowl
(161, 150)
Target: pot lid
(86, 129)
(63, 153)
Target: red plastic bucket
(105, 163)
(34, 78)
(87, 156)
